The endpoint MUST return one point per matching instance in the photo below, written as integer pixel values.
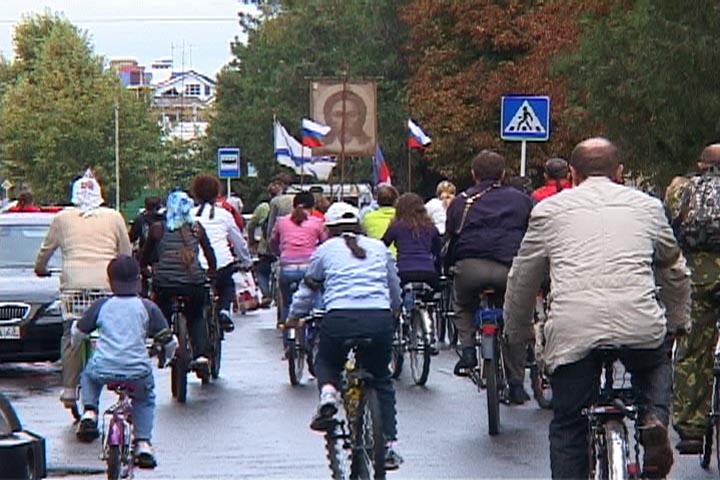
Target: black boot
(468, 361)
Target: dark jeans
(225, 286)
(575, 387)
(263, 269)
(340, 325)
(430, 278)
(290, 277)
(194, 311)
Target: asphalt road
(252, 424)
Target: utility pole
(117, 154)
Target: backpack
(698, 222)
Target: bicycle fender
(487, 347)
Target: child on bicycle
(123, 321)
(361, 291)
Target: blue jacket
(494, 226)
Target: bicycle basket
(74, 303)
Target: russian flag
(416, 137)
(312, 133)
(381, 172)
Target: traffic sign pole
(523, 157)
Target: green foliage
(58, 115)
(648, 73)
(305, 39)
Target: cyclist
(294, 239)
(377, 221)
(485, 225)
(258, 244)
(281, 202)
(418, 246)
(124, 322)
(600, 242)
(361, 292)
(88, 236)
(437, 207)
(556, 179)
(172, 248)
(223, 233)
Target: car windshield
(19, 245)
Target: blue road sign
(525, 118)
(228, 162)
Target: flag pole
(342, 134)
(302, 161)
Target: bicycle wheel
(296, 358)
(396, 357)
(616, 448)
(368, 438)
(216, 358)
(113, 462)
(337, 454)
(491, 371)
(179, 369)
(312, 354)
(419, 350)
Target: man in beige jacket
(603, 244)
(88, 236)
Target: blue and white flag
(290, 153)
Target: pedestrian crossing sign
(525, 118)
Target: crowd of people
(619, 269)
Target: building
(183, 97)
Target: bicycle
(183, 361)
(609, 450)
(302, 346)
(355, 444)
(117, 427)
(418, 313)
(444, 324)
(542, 392)
(490, 373)
(713, 427)
(73, 304)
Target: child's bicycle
(303, 345)
(356, 443)
(117, 427)
(73, 304)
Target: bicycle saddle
(358, 343)
(117, 386)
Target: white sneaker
(87, 430)
(144, 454)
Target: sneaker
(392, 459)
(201, 365)
(658, 455)
(324, 418)
(68, 396)
(266, 302)
(468, 361)
(226, 322)
(690, 446)
(87, 429)
(434, 350)
(517, 395)
(144, 455)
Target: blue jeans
(290, 276)
(263, 268)
(142, 395)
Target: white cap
(341, 213)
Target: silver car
(30, 317)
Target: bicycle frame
(117, 431)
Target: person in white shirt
(223, 233)
(437, 207)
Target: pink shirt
(297, 242)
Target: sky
(142, 29)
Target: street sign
(251, 170)
(7, 185)
(228, 162)
(525, 118)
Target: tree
(269, 76)
(648, 73)
(466, 55)
(58, 115)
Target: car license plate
(10, 333)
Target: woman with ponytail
(360, 292)
(556, 179)
(294, 239)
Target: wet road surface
(252, 423)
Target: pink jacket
(296, 243)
